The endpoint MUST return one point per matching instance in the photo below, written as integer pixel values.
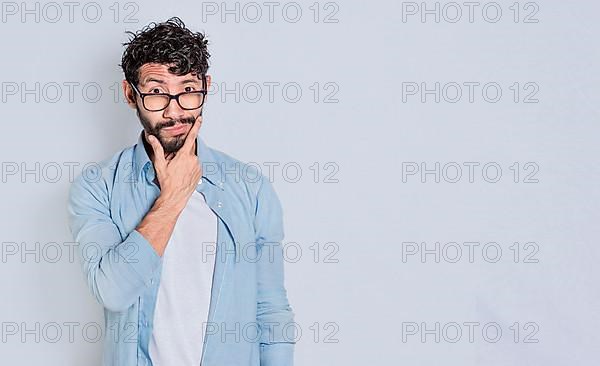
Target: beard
(172, 144)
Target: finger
(159, 154)
(188, 145)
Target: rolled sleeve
(275, 315)
(117, 271)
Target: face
(172, 124)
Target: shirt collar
(211, 169)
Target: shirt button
(200, 182)
(219, 204)
(145, 322)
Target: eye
(155, 91)
(189, 89)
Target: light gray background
(351, 312)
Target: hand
(177, 175)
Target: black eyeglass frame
(171, 96)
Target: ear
(129, 93)
(208, 80)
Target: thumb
(159, 154)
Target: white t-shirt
(184, 290)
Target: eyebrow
(159, 81)
(186, 81)
(151, 79)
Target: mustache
(173, 122)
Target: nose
(173, 111)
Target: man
(179, 242)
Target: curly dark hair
(165, 43)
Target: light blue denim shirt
(250, 321)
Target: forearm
(120, 274)
(158, 224)
(119, 268)
(274, 313)
(177, 178)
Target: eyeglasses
(155, 102)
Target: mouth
(177, 129)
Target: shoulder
(248, 178)
(98, 178)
